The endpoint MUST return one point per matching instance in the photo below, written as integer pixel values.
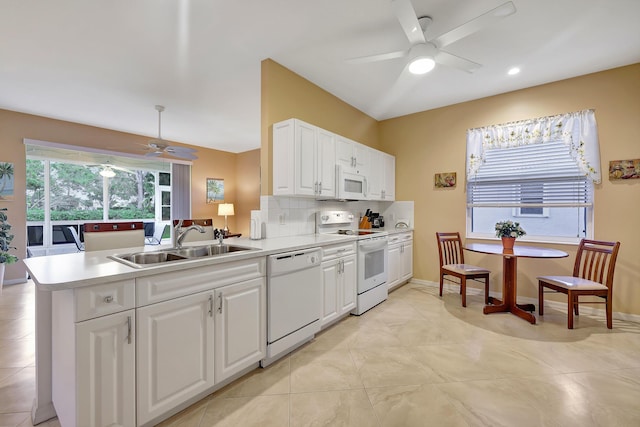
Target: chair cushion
(574, 283)
(465, 269)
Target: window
(536, 172)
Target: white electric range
(372, 256)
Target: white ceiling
(107, 63)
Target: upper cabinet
(303, 160)
(352, 156)
(382, 176)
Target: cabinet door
(344, 153)
(329, 291)
(283, 158)
(395, 265)
(407, 261)
(348, 284)
(241, 327)
(175, 353)
(362, 154)
(375, 179)
(305, 159)
(105, 371)
(389, 184)
(326, 165)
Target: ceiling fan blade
(408, 20)
(182, 155)
(483, 21)
(180, 148)
(376, 58)
(153, 154)
(449, 60)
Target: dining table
(510, 275)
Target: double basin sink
(142, 259)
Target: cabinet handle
(210, 305)
(108, 299)
(320, 187)
(220, 304)
(129, 329)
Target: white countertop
(57, 272)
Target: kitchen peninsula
(96, 315)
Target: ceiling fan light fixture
(421, 65)
(421, 61)
(107, 172)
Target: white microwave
(350, 185)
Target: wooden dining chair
(452, 264)
(592, 275)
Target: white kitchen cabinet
(93, 355)
(381, 178)
(175, 353)
(339, 274)
(241, 327)
(400, 259)
(352, 156)
(303, 160)
(106, 371)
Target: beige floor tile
(17, 391)
(190, 417)
(15, 419)
(414, 405)
(346, 408)
(323, 371)
(391, 366)
(17, 353)
(273, 379)
(259, 411)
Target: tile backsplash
(293, 216)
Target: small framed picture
(624, 169)
(215, 190)
(445, 180)
(6, 181)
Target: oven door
(372, 263)
(350, 186)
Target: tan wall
(435, 141)
(247, 190)
(286, 95)
(14, 127)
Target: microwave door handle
(365, 186)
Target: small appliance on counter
(256, 225)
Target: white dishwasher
(294, 294)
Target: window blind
(534, 175)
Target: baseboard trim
(556, 305)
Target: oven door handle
(373, 246)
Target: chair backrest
(194, 236)
(450, 248)
(100, 236)
(159, 231)
(596, 261)
(76, 239)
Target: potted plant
(509, 230)
(5, 239)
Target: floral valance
(578, 130)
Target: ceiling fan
(424, 54)
(158, 146)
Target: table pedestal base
(509, 304)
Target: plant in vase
(509, 230)
(5, 239)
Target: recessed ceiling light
(513, 71)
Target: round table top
(519, 251)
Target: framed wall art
(445, 180)
(6, 181)
(215, 190)
(624, 169)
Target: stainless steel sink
(142, 259)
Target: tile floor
(415, 360)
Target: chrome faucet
(179, 234)
(221, 237)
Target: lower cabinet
(105, 370)
(240, 324)
(175, 353)
(400, 259)
(339, 275)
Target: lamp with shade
(225, 209)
